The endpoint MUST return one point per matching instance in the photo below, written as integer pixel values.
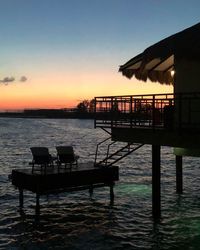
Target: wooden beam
(170, 67)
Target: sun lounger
(66, 156)
(41, 157)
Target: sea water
(76, 221)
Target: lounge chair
(66, 156)
(41, 157)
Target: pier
(56, 180)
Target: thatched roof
(157, 61)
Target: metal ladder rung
(119, 154)
(114, 158)
(125, 151)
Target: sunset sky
(70, 50)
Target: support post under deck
(112, 196)
(37, 207)
(21, 198)
(179, 175)
(156, 194)
(91, 191)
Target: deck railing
(159, 111)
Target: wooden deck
(59, 179)
(55, 179)
(161, 137)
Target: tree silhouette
(83, 106)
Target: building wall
(187, 73)
(187, 76)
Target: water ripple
(75, 221)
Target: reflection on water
(74, 220)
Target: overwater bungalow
(160, 119)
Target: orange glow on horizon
(67, 90)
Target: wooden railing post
(112, 112)
(153, 112)
(131, 112)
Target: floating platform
(60, 179)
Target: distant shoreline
(50, 114)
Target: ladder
(111, 158)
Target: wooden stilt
(37, 207)
(21, 198)
(91, 191)
(112, 196)
(179, 175)
(156, 194)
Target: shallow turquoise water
(73, 220)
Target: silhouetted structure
(56, 180)
(165, 119)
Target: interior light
(172, 73)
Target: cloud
(23, 79)
(7, 80)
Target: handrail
(155, 111)
(105, 162)
(108, 150)
(146, 95)
(161, 94)
(97, 148)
